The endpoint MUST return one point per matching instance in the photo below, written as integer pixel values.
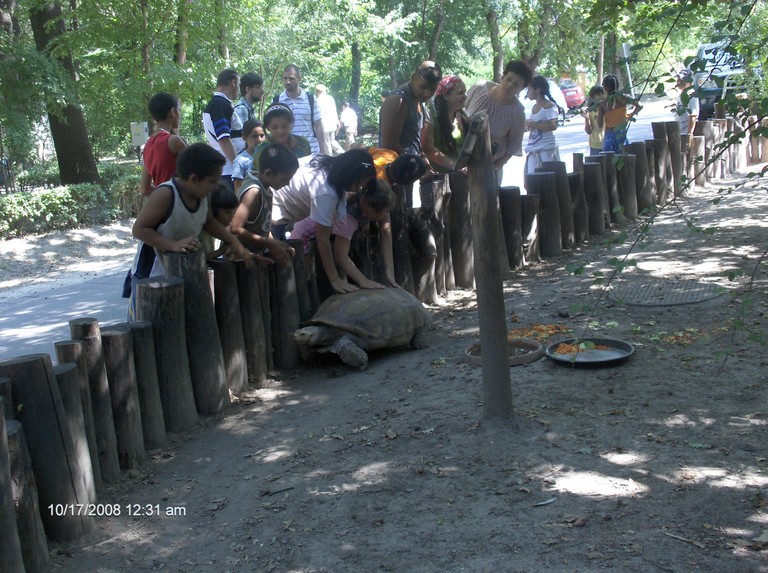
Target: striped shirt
(304, 117)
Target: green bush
(124, 194)
(111, 171)
(44, 174)
(46, 210)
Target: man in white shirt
(329, 120)
(687, 113)
(306, 112)
(348, 124)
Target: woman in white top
(541, 126)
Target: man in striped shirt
(222, 126)
(306, 112)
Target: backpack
(311, 98)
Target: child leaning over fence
(175, 214)
(223, 205)
(252, 222)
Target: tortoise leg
(350, 352)
(420, 338)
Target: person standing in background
(329, 120)
(251, 92)
(348, 122)
(306, 112)
(222, 127)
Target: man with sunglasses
(403, 112)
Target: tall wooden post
(461, 232)
(543, 185)
(593, 194)
(579, 202)
(563, 199)
(206, 361)
(228, 318)
(145, 364)
(642, 180)
(87, 330)
(627, 192)
(675, 155)
(612, 189)
(160, 300)
(497, 389)
(510, 206)
(10, 546)
(253, 321)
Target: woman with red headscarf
(447, 124)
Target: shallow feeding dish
(590, 352)
(521, 351)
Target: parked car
(557, 95)
(574, 95)
(722, 74)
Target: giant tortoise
(351, 324)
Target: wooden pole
(73, 351)
(593, 194)
(265, 298)
(34, 547)
(58, 474)
(7, 394)
(230, 324)
(662, 169)
(627, 192)
(68, 380)
(288, 318)
(147, 384)
(697, 158)
(579, 202)
(612, 189)
(10, 546)
(543, 184)
(206, 361)
(401, 248)
(644, 198)
(603, 188)
(653, 175)
(121, 371)
(160, 300)
(423, 257)
(87, 330)
(706, 129)
(460, 225)
(578, 163)
(529, 218)
(563, 199)
(675, 155)
(311, 270)
(497, 390)
(720, 153)
(302, 282)
(253, 322)
(512, 225)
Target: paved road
(34, 322)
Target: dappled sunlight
(746, 422)
(273, 454)
(626, 458)
(720, 477)
(594, 484)
(375, 473)
(680, 420)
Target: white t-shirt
(329, 118)
(684, 112)
(308, 195)
(539, 140)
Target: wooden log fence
(10, 545)
(543, 185)
(510, 206)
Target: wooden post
(706, 129)
(121, 371)
(497, 390)
(302, 282)
(644, 199)
(460, 226)
(206, 361)
(754, 140)
(579, 202)
(73, 351)
(423, 257)
(285, 317)
(59, 478)
(7, 394)
(265, 298)
(160, 300)
(68, 380)
(603, 188)
(673, 142)
(401, 247)
(229, 322)
(662, 170)
(612, 189)
(578, 163)
(626, 179)
(653, 174)
(147, 384)
(435, 195)
(253, 322)
(543, 184)
(311, 270)
(697, 158)
(10, 546)
(563, 199)
(87, 330)
(529, 218)
(34, 547)
(720, 152)
(593, 194)
(512, 225)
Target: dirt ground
(655, 464)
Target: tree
(68, 130)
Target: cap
(685, 75)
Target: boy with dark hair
(164, 145)
(222, 127)
(176, 212)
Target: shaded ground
(657, 464)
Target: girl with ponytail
(541, 126)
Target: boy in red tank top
(164, 145)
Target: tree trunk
(223, 47)
(439, 24)
(8, 18)
(492, 17)
(68, 130)
(182, 34)
(354, 88)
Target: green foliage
(45, 174)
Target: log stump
(544, 186)
(206, 360)
(593, 195)
(579, 203)
(423, 257)
(602, 160)
(253, 322)
(73, 351)
(705, 128)
(147, 384)
(627, 192)
(10, 545)
(512, 225)
(460, 228)
(697, 159)
(653, 175)
(644, 199)
(126, 409)
(60, 480)
(160, 301)
(529, 218)
(401, 246)
(68, 378)
(578, 163)
(229, 322)
(285, 316)
(612, 189)
(302, 281)
(87, 330)
(563, 199)
(662, 170)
